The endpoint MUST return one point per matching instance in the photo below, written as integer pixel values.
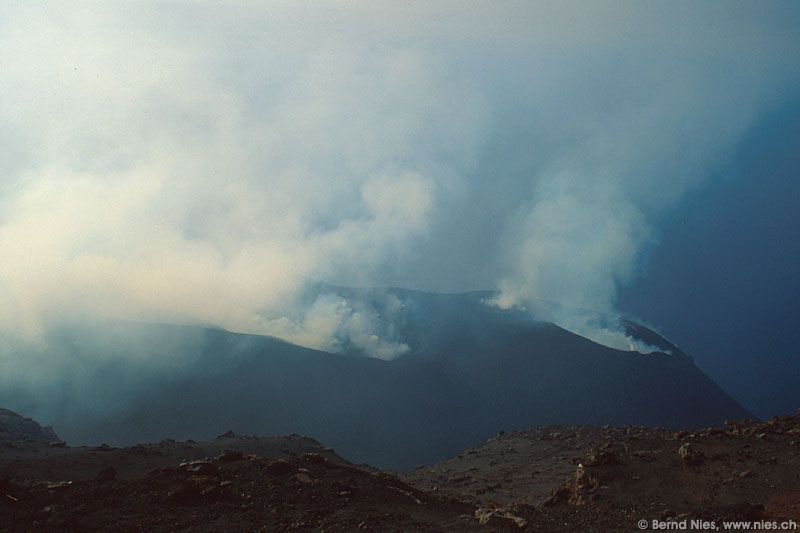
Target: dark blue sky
(724, 282)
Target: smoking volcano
(467, 371)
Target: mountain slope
(471, 371)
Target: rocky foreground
(547, 479)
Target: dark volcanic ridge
(16, 430)
(544, 479)
(471, 370)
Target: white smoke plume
(336, 324)
(633, 153)
(201, 162)
(154, 174)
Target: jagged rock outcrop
(16, 429)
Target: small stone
(200, 466)
(280, 467)
(229, 456)
(689, 454)
(303, 478)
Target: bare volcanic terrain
(471, 370)
(231, 483)
(609, 478)
(543, 479)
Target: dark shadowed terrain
(546, 479)
(637, 435)
(471, 370)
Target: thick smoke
(667, 116)
(202, 163)
(337, 324)
(154, 175)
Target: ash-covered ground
(543, 479)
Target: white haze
(203, 161)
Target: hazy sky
(724, 279)
(202, 161)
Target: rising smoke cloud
(204, 162)
(152, 174)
